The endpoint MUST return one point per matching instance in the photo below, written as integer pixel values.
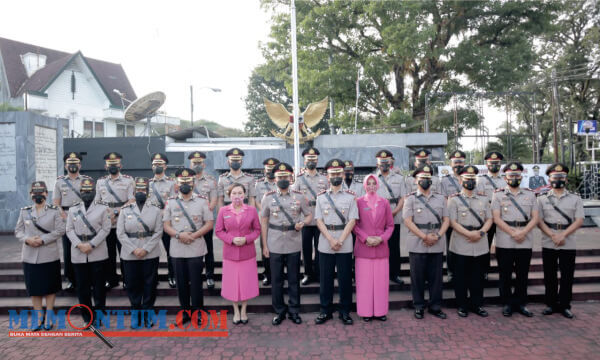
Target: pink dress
(240, 273)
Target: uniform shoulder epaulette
(52, 206)
(202, 196)
(76, 204)
(350, 192)
(246, 174)
(454, 195)
(61, 177)
(321, 192)
(27, 207)
(85, 176)
(271, 192)
(297, 191)
(528, 189)
(498, 190)
(301, 173)
(127, 176)
(224, 174)
(262, 179)
(412, 193)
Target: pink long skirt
(372, 287)
(240, 279)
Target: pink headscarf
(371, 198)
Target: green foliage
(4, 107)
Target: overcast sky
(162, 45)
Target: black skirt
(42, 279)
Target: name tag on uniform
(226, 216)
(367, 209)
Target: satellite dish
(145, 107)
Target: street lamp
(213, 89)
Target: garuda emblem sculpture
(311, 116)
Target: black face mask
(158, 170)
(88, 197)
(336, 181)
(515, 183)
(311, 165)
(384, 167)
(185, 189)
(113, 169)
(457, 169)
(198, 169)
(424, 183)
(38, 199)
(493, 168)
(349, 176)
(140, 197)
(235, 165)
(558, 184)
(270, 176)
(469, 184)
(421, 162)
(73, 169)
(283, 184)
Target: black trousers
(68, 270)
(209, 258)
(113, 245)
(188, 274)
(490, 235)
(310, 239)
(292, 264)
(141, 277)
(517, 261)
(426, 268)
(554, 260)
(468, 280)
(166, 240)
(450, 256)
(266, 262)
(394, 246)
(90, 277)
(328, 264)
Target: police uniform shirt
(227, 179)
(509, 212)
(414, 208)
(262, 187)
(99, 219)
(48, 218)
(485, 187)
(64, 193)
(458, 212)
(318, 183)
(123, 186)
(356, 187)
(536, 181)
(569, 203)
(296, 205)
(450, 185)
(128, 222)
(205, 185)
(411, 185)
(345, 202)
(165, 187)
(199, 213)
(396, 182)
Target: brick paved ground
(401, 337)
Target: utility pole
(192, 105)
(555, 113)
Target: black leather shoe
(172, 283)
(236, 322)
(70, 287)
(437, 313)
(524, 311)
(185, 320)
(419, 313)
(450, 277)
(296, 319)
(278, 319)
(148, 322)
(109, 285)
(124, 286)
(548, 311)
(306, 280)
(485, 276)
(210, 283)
(507, 310)
(462, 312)
(322, 318)
(367, 319)
(266, 281)
(346, 319)
(381, 318)
(39, 327)
(481, 311)
(244, 321)
(397, 279)
(568, 313)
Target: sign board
(45, 156)
(582, 125)
(8, 158)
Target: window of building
(120, 130)
(98, 129)
(130, 130)
(88, 127)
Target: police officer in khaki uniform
(263, 186)
(66, 194)
(471, 217)
(393, 189)
(515, 212)
(422, 157)
(561, 214)
(162, 188)
(187, 218)
(536, 180)
(88, 225)
(336, 215)
(425, 215)
(39, 227)
(205, 185)
(114, 190)
(310, 182)
(487, 184)
(235, 174)
(451, 185)
(139, 229)
(283, 214)
(350, 182)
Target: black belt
(65, 207)
(517, 223)
(335, 227)
(229, 202)
(115, 204)
(557, 226)
(428, 226)
(86, 237)
(471, 228)
(393, 201)
(282, 227)
(312, 203)
(139, 234)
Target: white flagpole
(296, 111)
